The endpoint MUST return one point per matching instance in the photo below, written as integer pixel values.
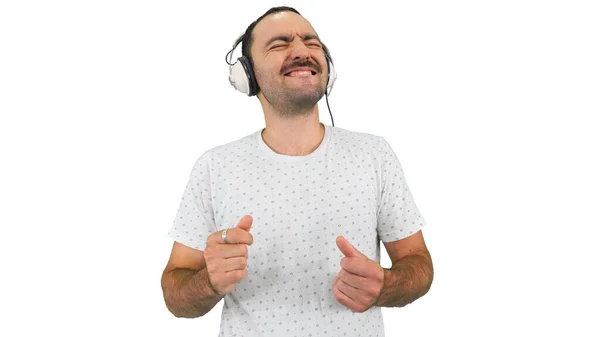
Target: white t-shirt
(351, 185)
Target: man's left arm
(399, 226)
(408, 279)
(363, 283)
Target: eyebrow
(288, 38)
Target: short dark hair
(247, 37)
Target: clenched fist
(226, 262)
(360, 280)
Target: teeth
(301, 73)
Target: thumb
(347, 248)
(245, 223)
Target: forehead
(282, 23)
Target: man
(284, 224)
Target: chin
(291, 99)
(307, 97)
(312, 91)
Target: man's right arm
(186, 287)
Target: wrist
(205, 277)
(385, 277)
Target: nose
(299, 50)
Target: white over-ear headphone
(241, 74)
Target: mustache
(304, 63)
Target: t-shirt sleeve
(397, 213)
(194, 221)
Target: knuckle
(374, 292)
(214, 238)
(363, 302)
(208, 253)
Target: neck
(293, 136)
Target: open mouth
(297, 73)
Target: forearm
(188, 293)
(406, 281)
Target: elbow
(425, 273)
(428, 279)
(183, 314)
(426, 287)
(176, 308)
(180, 312)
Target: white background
(491, 107)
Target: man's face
(289, 62)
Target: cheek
(267, 75)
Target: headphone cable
(327, 100)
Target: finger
(245, 223)
(359, 266)
(235, 275)
(347, 248)
(343, 298)
(365, 289)
(234, 235)
(233, 263)
(353, 280)
(231, 250)
(360, 297)
(239, 235)
(348, 290)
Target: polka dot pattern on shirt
(351, 185)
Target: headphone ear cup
(253, 85)
(332, 76)
(241, 77)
